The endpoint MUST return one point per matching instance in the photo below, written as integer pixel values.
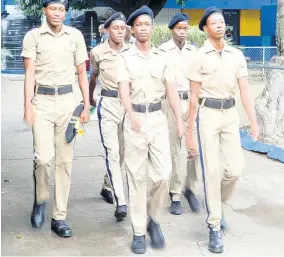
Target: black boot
(120, 212)
(215, 242)
(176, 208)
(192, 201)
(157, 237)
(107, 195)
(61, 228)
(224, 224)
(138, 245)
(38, 213)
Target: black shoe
(138, 245)
(224, 224)
(37, 217)
(215, 242)
(107, 195)
(120, 212)
(157, 237)
(192, 201)
(61, 228)
(175, 208)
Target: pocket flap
(135, 75)
(107, 64)
(70, 48)
(208, 70)
(157, 73)
(42, 50)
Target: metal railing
(259, 55)
(259, 59)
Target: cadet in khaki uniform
(144, 79)
(214, 75)
(110, 109)
(50, 54)
(180, 53)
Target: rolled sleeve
(194, 68)
(29, 46)
(122, 71)
(81, 50)
(242, 68)
(169, 74)
(94, 58)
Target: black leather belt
(109, 93)
(183, 95)
(147, 107)
(54, 90)
(217, 103)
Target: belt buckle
(56, 91)
(222, 106)
(147, 107)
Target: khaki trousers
(147, 158)
(218, 135)
(52, 116)
(107, 184)
(111, 116)
(178, 181)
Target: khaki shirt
(149, 75)
(180, 59)
(55, 55)
(103, 60)
(218, 74)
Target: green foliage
(82, 4)
(162, 33)
(30, 7)
(34, 7)
(181, 3)
(196, 36)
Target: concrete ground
(255, 214)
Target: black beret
(206, 14)
(177, 18)
(47, 2)
(143, 10)
(113, 17)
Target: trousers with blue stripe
(178, 181)
(111, 115)
(221, 158)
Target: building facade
(249, 22)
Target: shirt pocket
(157, 75)
(108, 70)
(69, 54)
(208, 74)
(158, 82)
(207, 70)
(230, 75)
(137, 81)
(44, 55)
(135, 75)
(107, 65)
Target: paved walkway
(255, 214)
